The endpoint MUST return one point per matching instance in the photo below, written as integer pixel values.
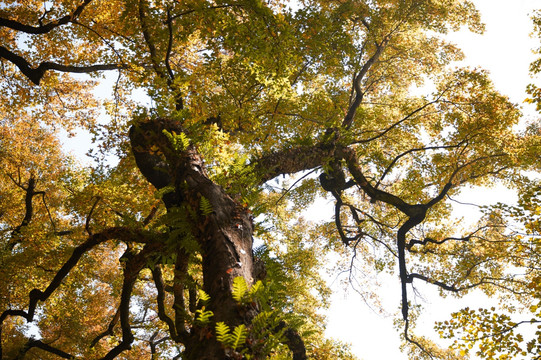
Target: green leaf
(239, 289)
(202, 317)
(180, 142)
(203, 297)
(222, 333)
(205, 206)
(239, 336)
(256, 289)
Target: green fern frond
(180, 142)
(165, 190)
(205, 206)
(256, 288)
(261, 321)
(203, 297)
(202, 317)
(239, 288)
(238, 337)
(184, 140)
(222, 333)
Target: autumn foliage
(215, 125)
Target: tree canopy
(227, 120)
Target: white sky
(505, 50)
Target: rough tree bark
(224, 236)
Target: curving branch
(109, 331)
(32, 343)
(416, 214)
(154, 343)
(350, 157)
(37, 295)
(44, 28)
(415, 218)
(398, 157)
(89, 216)
(167, 75)
(30, 192)
(133, 266)
(358, 78)
(169, 46)
(160, 300)
(36, 74)
(337, 210)
(452, 288)
(428, 240)
(179, 101)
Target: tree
(154, 255)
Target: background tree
(154, 256)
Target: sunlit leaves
(244, 79)
(494, 333)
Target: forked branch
(36, 74)
(33, 343)
(37, 295)
(44, 28)
(133, 266)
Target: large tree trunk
(225, 238)
(224, 235)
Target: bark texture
(224, 236)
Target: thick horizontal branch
(46, 347)
(428, 240)
(44, 28)
(36, 74)
(435, 282)
(301, 158)
(291, 160)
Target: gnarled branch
(133, 266)
(37, 295)
(36, 74)
(44, 28)
(33, 343)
